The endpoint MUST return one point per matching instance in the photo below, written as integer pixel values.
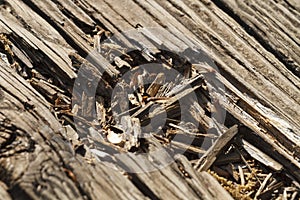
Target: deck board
(253, 45)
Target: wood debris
(94, 103)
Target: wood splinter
(210, 156)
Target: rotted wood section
(238, 67)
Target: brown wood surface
(43, 44)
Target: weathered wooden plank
(26, 38)
(292, 4)
(244, 71)
(26, 158)
(268, 120)
(289, 10)
(266, 142)
(246, 48)
(163, 36)
(73, 11)
(282, 21)
(35, 150)
(272, 38)
(38, 162)
(137, 30)
(212, 187)
(255, 44)
(102, 181)
(178, 178)
(72, 33)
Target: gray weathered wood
(254, 45)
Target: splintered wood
(204, 104)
